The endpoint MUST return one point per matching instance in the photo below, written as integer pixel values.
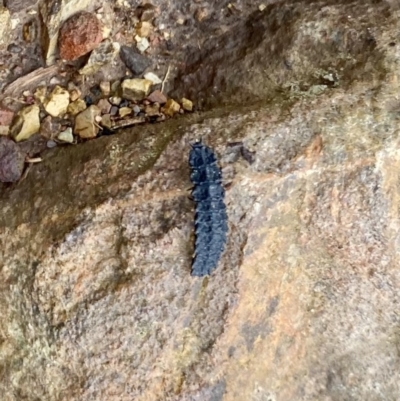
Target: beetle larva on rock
(211, 220)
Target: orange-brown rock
(79, 35)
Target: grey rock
(11, 160)
(51, 144)
(34, 146)
(133, 60)
(104, 54)
(15, 6)
(136, 109)
(13, 48)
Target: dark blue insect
(211, 220)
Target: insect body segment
(211, 221)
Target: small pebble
(133, 60)
(35, 145)
(153, 78)
(105, 88)
(88, 100)
(136, 89)
(115, 86)
(85, 125)
(40, 94)
(26, 123)
(152, 110)
(104, 54)
(6, 116)
(124, 103)
(114, 110)
(66, 135)
(76, 107)
(51, 144)
(136, 109)
(13, 48)
(74, 94)
(147, 12)
(17, 70)
(187, 104)
(144, 29)
(30, 31)
(124, 111)
(48, 127)
(95, 90)
(57, 102)
(115, 100)
(11, 160)
(55, 81)
(142, 43)
(171, 108)
(106, 120)
(30, 100)
(104, 105)
(200, 14)
(157, 96)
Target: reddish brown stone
(157, 97)
(6, 116)
(79, 35)
(104, 105)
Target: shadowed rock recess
(96, 297)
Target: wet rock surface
(96, 297)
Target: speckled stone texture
(11, 160)
(79, 35)
(96, 297)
